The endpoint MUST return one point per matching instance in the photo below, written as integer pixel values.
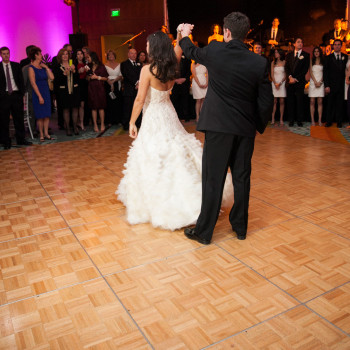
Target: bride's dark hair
(163, 62)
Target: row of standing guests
(328, 76)
(86, 82)
(98, 86)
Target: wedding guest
(257, 48)
(11, 100)
(130, 70)
(199, 85)
(39, 73)
(336, 33)
(180, 95)
(67, 87)
(29, 91)
(334, 76)
(347, 90)
(216, 33)
(273, 36)
(316, 87)
(82, 69)
(278, 76)
(26, 60)
(114, 97)
(96, 90)
(86, 52)
(87, 110)
(297, 65)
(142, 58)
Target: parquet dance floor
(75, 275)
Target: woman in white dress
(162, 177)
(199, 85)
(114, 98)
(278, 76)
(347, 91)
(316, 87)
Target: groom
(238, 103)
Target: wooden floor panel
(197, 298)
(42, 263)
(299, 257)
(335, 307)
(75, 275)
(335, 218)
(297, 329)
(85, 316)
(22, 219)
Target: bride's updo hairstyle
(163, 62)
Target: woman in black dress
(67, 87)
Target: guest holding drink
(316, 87)
(217, 33)
(39, 73)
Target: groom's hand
(186, 29)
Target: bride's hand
(133, 131)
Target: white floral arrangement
(342, 58)
(301, 57)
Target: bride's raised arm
(177, 48)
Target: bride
(162, 177)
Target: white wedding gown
(162, 181)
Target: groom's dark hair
(238, 24)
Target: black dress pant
(220, 152)
(335, 106)
(12, 105)
(295, 102)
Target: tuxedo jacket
(131, 75)
(330, 36)
(279, 36)
(334, 72)
(17, 76)
(297, 67)
(239, 99)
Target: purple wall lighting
(46, 24)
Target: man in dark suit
(11, 99)
(26, 60)
(181, 91)
(334, 82)
(336, 33)
(297, 65)
(238, 103)
(273, 36)
(131, 73)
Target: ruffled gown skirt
(162, 181)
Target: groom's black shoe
(191, 234)
(240, 236)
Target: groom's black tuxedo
(238, 103)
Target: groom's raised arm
(193, 52)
